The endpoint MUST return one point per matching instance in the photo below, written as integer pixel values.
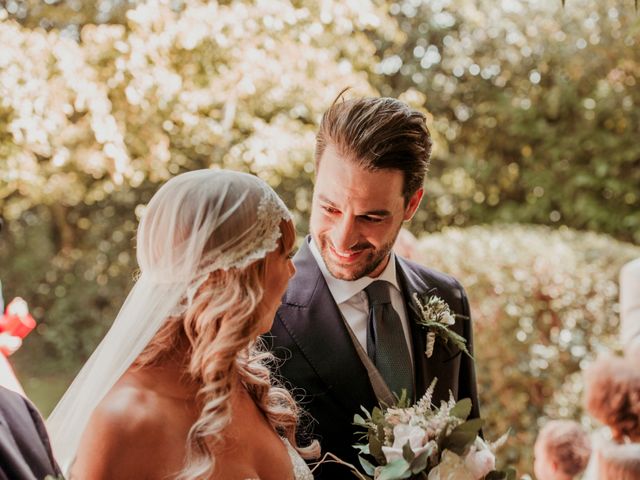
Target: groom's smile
(356, 215)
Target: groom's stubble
(371, 261)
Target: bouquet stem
(331, 458)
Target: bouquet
(425, 442)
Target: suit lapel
(426, 369)
(315, 323)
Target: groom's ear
(413, 204)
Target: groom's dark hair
(378, 133)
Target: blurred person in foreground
(25, 451)
(562, 451)
(630, 306)
(619, 462)
(612, 396)
(348, 330)
(178, 388)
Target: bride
(178, 389)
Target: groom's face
(356, 215)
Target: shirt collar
(343, 290)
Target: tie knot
(378, 293)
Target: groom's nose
(344, 235)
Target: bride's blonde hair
(220, 332)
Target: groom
(347, 330)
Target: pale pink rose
(403, 434)
(480, 462)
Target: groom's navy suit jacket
(321, 365)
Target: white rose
(402, 434)
(480, 462)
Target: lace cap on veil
(197, 223)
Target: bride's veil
(196, 223)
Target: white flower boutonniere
(437, 318)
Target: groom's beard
(369, 259)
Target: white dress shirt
(352, 300)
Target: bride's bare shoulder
(125, 429)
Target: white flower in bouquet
(438, 443)
(480, 460)
(415, 436)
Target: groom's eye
(370, 219)
(330, 210)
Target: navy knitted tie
(386, 344)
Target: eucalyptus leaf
(462, 436)
(362, 448)
(462, 409)
(396, 470)
(407, 453)
(376, 415)
(358, 420)
(366, 412)
(367, 466)
(375, 447)
(403, 400)
(496, 475)
(506, 474)
(420, 462)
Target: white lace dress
(301, 470)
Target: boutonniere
(51, 477)
(436, 317)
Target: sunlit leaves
(210, 84)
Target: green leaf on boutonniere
(437, 318)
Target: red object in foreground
(17, 320)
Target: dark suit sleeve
(467, 380)
(25, 451)
(38, 423)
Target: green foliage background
(533, 109)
